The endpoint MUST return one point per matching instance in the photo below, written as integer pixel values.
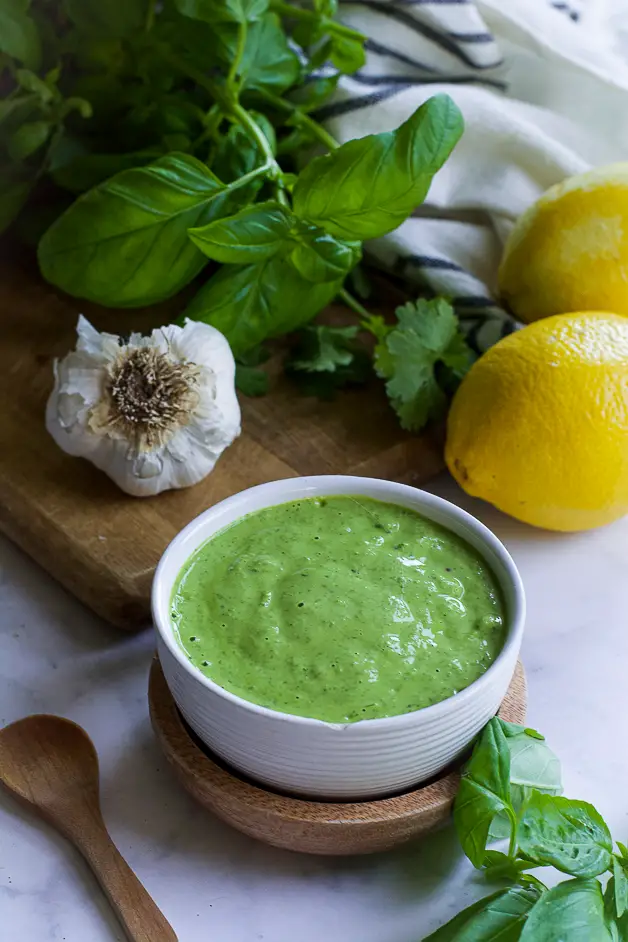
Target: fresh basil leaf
(569, 835)
(323, 349)
(251, 381)
(87, 170)
(237, 153)
(347, 54)
(623, 849)
(13, 196)
(223, 11)
(532, 762)
(321, 257)
(427, 334)
(314, 92)
(268, 61)
(18, 33)
(499, 866)
(497, 918)
(28, 138)
(125, 243)
(620, 887)
(484, 791)
(254, 234)
(367, 187)
(108, 18)
(248, 303)
(573, 911)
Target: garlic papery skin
(155, 413)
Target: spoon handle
(136, 910)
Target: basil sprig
(510, 789)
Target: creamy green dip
(342, 608)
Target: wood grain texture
(103, 545)
(311, 827)
(50, 765)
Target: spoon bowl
(50, 765)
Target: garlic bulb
(154, 413)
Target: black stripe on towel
(409, 81)
(471, 37)
(371, 45)
(335, 109)
(439, 39)
(475, 302)
(429, 261)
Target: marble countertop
(213, 883)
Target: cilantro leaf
(327, 359)
(323, 349)
(426, 337)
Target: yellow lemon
(569, 251)
(539, 426)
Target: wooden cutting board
(103, 545)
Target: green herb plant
(510, 790)
(178, 137)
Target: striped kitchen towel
(543, 86)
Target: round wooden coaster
(312, 827)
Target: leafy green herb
(573, 911)
(249, 303)
(213, 105)
(497, 918)
(566, 834)
(620, 886)
(484, 791)
(367, 187)
(125, 242)
(544, 830)
(323, 349)
(427, 334)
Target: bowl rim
(283, 491)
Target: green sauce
(340, 608)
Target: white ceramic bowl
(366, 759)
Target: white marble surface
(215, 884)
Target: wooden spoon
(50, 764)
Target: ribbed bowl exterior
(360, 760)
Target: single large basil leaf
(252, 302)
(253, 235)
(108, 18)
(569, 835)
(321, 257)
(497, 918)
(268, 61)
(573, 911)
(18, 33)
(367, 187)
(223, 11)
(484, 791)
(125, 243)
